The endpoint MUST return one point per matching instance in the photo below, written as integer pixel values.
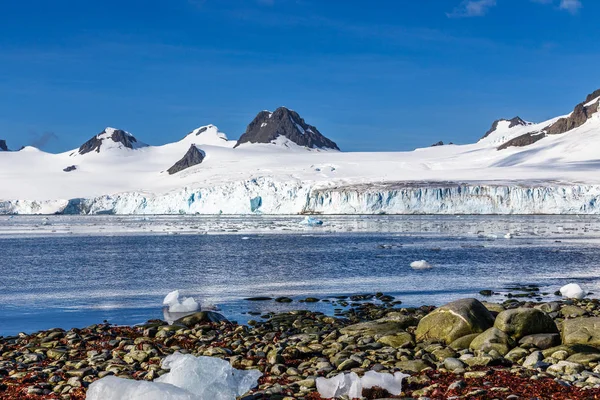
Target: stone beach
(467, 349)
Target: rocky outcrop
(194, 156)
(455, 320)
(117, 136)
(70, 168)
(516, 121)
(578, 117)
(3, 146)
(267, 127)
(523, 140)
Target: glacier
(274, 197)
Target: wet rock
(464, 342)
(200, 317)
(454, 320)
(541, 340)
(521, 322)
(533, 360)
(565, 367)
(415, 366)
(401, 340)
(376, 329)
(582, 330)
(452, 364)
(493, 339)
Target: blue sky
(373, 76)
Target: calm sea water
(66, 280)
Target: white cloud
(472, 8)
(571, 6)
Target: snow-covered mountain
(110, 139)
(517, 167)
(285, 127)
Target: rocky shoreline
(520, 349)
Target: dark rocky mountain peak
(592, 96)
(268, 126)
(194, 156)
(110, 138)
(516, 121)
(578, 117)
(3, 146)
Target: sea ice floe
(572, 291)
(310, 221)
(189, 378)
(351, 385)
(179, 304)
(422, 264)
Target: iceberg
(310, 221)
(189, 378)
(179, 304)
(572, 291)
(422, 264)
(351, 385)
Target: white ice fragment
(113, 388)
(310, 221)
(508, 236)
(189, 378)
(420, 265)
(208, 377)
(389, 382)
(340, 385)
(572, 291)
(179, 304)
(351, 385)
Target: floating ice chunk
(351, 385)
(189, 378)
(420, 265)
(572, 291)
(508, 236)
(340, 385)
(178, 304)
(310, 221)
(113, 388)
(389, 382)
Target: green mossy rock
(493, 339)
(520, 322)
(582, 331)
(455, 320)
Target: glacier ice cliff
(268, 196)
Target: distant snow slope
(557, 174)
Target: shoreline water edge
(519, 348)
